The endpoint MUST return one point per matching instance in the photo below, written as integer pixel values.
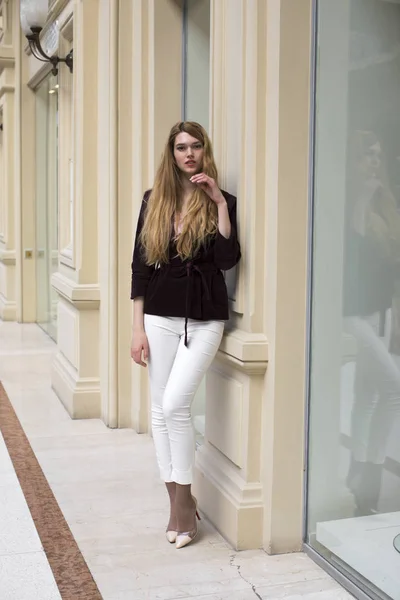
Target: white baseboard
(8, 309)
(80, 396)
(230, 503)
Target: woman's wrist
(221, 202)
(138, 316)
(224, 224)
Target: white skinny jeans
(376, 405)
(175, 375)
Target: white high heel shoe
(171, 536)
(183, 539)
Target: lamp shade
(33, 14)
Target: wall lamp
(33, 18)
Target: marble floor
(106, 485)
(359, 541)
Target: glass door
(46, 203)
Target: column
(76, 373)
(289, 37)
(8, 306)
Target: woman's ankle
(184, 496)
(171, 489)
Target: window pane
(47, 203)
(197, 61)
(354, 457)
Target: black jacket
(193, 289)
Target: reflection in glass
(353, 507)
(371, 269)
(46, 203)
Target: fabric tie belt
(189, 269)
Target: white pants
(175, 373)
(376, 405)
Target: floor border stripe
(72, 575)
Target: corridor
(107, 541)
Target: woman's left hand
(208, 185)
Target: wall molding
(233, 505)
(7, 58)
(244, 346)
(81, 296)
(247, 367)
(8, 309)
(80, 395)
(7, 257)
(225, 475)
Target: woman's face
(372, 160)
(188, 153)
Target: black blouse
(193, 289)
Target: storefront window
(46, 203)
(196, 76)
(354, 426)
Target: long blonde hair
(164, 202)
(387, 231)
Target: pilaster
(8, 114)
(289, 43)
(76, 375)
(8, 310)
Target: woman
(371, 269)
(186, 236)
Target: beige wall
(288, 126)
(75, 375)
(8, 118)
(115, 112)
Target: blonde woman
(371, 271)
(186, 236)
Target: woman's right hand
(140, 348)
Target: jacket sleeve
(141, 272)
(227, 250)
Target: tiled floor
(359, 541)
(107, 486)
(25, 573)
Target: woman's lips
(190, 163)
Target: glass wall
(196, 76)
(354, 426)
(46, 203)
